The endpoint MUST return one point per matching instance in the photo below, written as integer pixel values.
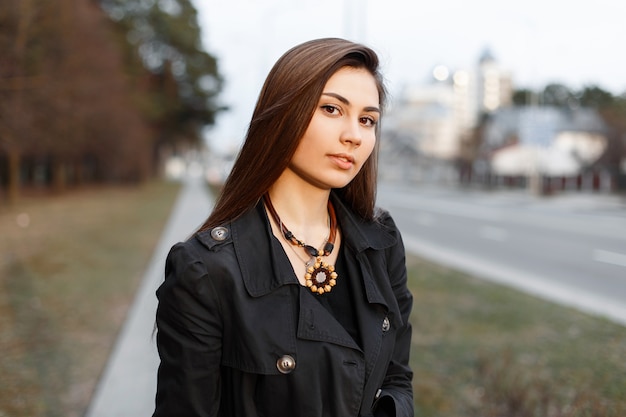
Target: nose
(351, 133)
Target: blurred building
(434, 117)
(426, 114)
(494, 84)
(437, 114)
(461, 126)
(547, 141)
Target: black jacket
(238, 336)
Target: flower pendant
(320, 277)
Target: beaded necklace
(320, 277)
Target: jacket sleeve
(396, 398)
(189, 332)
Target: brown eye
(368, 121)
(330, 109)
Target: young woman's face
(342, 132)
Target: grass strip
(69, 268)
(481, 349)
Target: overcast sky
(539, 41)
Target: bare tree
(88, 95)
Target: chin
(341, 184)
(335, 181)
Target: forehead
(353, 84)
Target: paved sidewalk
(128, 383)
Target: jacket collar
(256, 248)
(361, 235)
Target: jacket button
(386, 324)
(286, 364)
(219, 233)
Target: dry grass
(69, 268)
(484, 350)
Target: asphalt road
(569, 248)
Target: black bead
(328, 248)
(310, 250)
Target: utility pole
(355, 15)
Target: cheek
(365, 151)
(314, 135)
(367, 145)
(307, 142)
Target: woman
(291, 300)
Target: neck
(305, 213)
(305, 207)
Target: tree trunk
(58, 176)
(13, 183)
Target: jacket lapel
(257, 252)
(316, 323)
(367, 243)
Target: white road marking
(463, 210)
(608, 257)
(493, 233)
(526, 281)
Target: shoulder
(385, 221)
(185, 266)
(198, 248)
(378, 233)
(384, 218)
(200, 256)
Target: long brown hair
(282, 114)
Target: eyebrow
(347, 102)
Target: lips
(343, 161)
